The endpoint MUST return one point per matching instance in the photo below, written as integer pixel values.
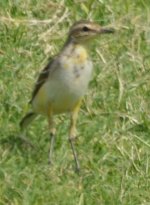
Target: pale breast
(74, 71)
(67, 83)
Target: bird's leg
(72, 134)
(52, 139)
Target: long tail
(27, 119)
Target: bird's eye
(85, 28)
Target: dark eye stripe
(85, 28)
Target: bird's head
(82, 31)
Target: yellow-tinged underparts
(64, 81)
(82, 55)
(74, 116)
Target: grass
(114, 122)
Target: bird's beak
(106, 30)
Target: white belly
(68, 88)
(66, 85)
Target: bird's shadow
(18, 142)
(11, 140)
(29, 149)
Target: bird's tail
(27, 119)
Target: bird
(63, 82)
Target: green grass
(114, 122)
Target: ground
(114, 123)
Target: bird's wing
(41, 79)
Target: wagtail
(62, 84)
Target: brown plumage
(41, 79)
